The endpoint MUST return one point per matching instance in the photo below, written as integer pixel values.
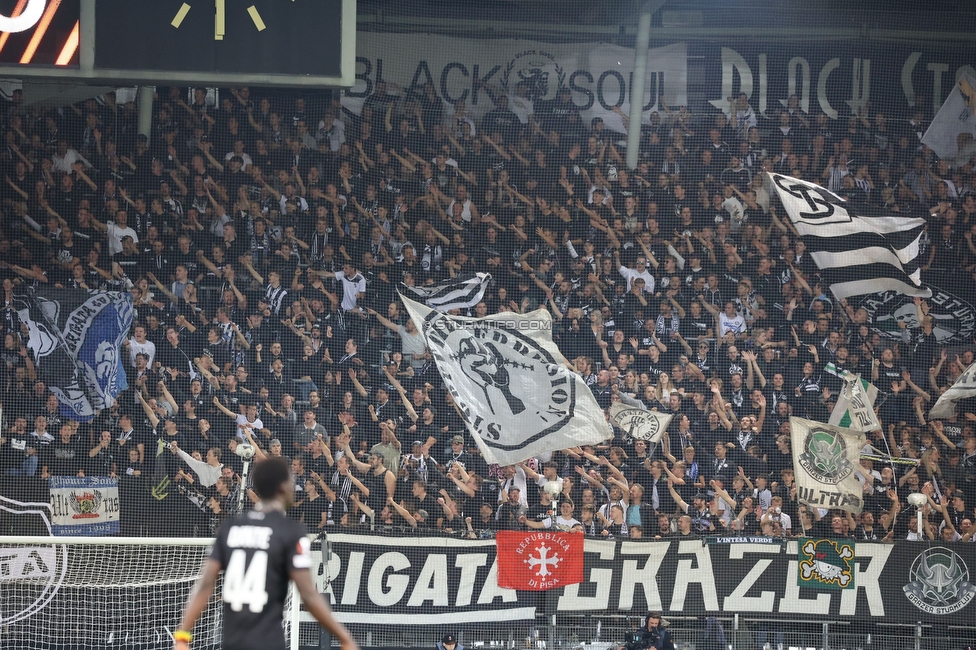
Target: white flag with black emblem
(826, 459)
(514, 389)
(638, 423)
(856, 253)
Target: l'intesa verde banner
(372, 579)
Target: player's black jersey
(257, 552)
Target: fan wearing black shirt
(259, 553)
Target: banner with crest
(87, 506)
(826, 459)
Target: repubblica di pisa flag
(538, 560)
(76, 341)
(856, 254)
(826, 460)
(514, 389)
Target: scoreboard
(253, 42)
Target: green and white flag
(826, 460)
(855, 403)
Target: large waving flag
(515, 391)
(826, 460)
(76, 340)
(856, 254)
(453, 293)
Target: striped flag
(856, 254)
(453, 293)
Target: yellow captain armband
(182, 635)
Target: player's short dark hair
(269, 475)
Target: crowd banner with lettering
(889, 312)
(87, 506)
(836, 78)
(413, 581)
(76, 341)
(600, 75)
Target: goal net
(84, 593)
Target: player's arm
(320, 609)
(200, 598)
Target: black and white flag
(76, 339)
(963, 388)
(454, 293)
(640, 424)
(515, 391)
(856, 254)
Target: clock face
(268, 37)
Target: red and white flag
(538, 560)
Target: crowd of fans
(263, 240)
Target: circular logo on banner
(939, 582)
(824, 456)
(638, 424)
(955, 318)
(35, 572)
(509, 388)
(536, 70)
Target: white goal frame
(60, 545)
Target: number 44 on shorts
(244, 583)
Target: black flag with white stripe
(856, 253)
(454, 293)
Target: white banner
(826, 459)
(87, 506)
(513, 388)
(600, 75)
(963, 387)
(638, 423)
(952, 134)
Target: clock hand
(220, 27)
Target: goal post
(105, 592)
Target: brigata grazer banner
(379, 580)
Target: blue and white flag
(454, 293)
(76, 341)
